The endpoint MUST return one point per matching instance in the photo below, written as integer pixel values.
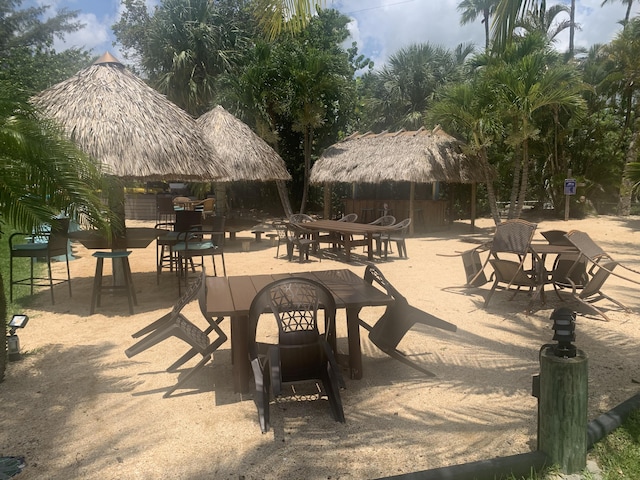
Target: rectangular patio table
(345, 231)
(232, 297)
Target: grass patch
(21, 269)
(618, 454)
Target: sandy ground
(76, 407)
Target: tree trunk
(3, 320)
(626, 186)
(491, 193)
(515, 185)
(524, 185)
(308, 136)
(284, 198)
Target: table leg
(353, 335)
(347, 247)
(369, 246)
(240, 353)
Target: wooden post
(474, 195)
(412, 194)
(567, 200)
(327, 201)
(562, 422)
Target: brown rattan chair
(302, 353)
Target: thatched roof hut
(246, 156)
(133, 130)
(421, 156)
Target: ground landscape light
(564, 326)
(13, 342)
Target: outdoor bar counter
(427, 213)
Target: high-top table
(344, 233)
(232, 297)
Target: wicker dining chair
(302, 353)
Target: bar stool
(98, 287)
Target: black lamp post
(564, 326)
(13, 342)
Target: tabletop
(347, 229)
(135, 237)
(232, 297)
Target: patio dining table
(539, 254)
(232, 297)
(345, 231)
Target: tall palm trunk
(491, 193)
(524, 184)
(3, 339)
(626, 186)
(515, 185)
(308, 137)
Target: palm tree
(44, 174)
(290, 15)
(509, 11)
(542, 20)
(472, 9)
(628, 3)
(466, 108)
(624, 82)
(406, 86)
(527, 80)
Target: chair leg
(97, 285)
(188, 375)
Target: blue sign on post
(569, 186)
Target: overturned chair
(397, 320)
(175, 324)
(302, 353)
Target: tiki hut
(246, 156)
(131, 129)
(422, 156)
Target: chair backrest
(164, 204)
(402, 226)
(597, 280)
(59, 237)
(208, 205)
(187, 220)
(384, 221)
(281, 229)
(583, 242)
(372, 273)
(350, 218)
(294, 302)
(300, 218)
(569, 270)
(513, 236)
(189, 294)
(556, 237)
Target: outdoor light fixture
(13, 342)
(564, 325)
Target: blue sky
(380, 27)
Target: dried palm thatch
(246, 155)
(134, 131)
(421, 156)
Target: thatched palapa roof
(421, 156)
(245, 154)
(133, 130)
